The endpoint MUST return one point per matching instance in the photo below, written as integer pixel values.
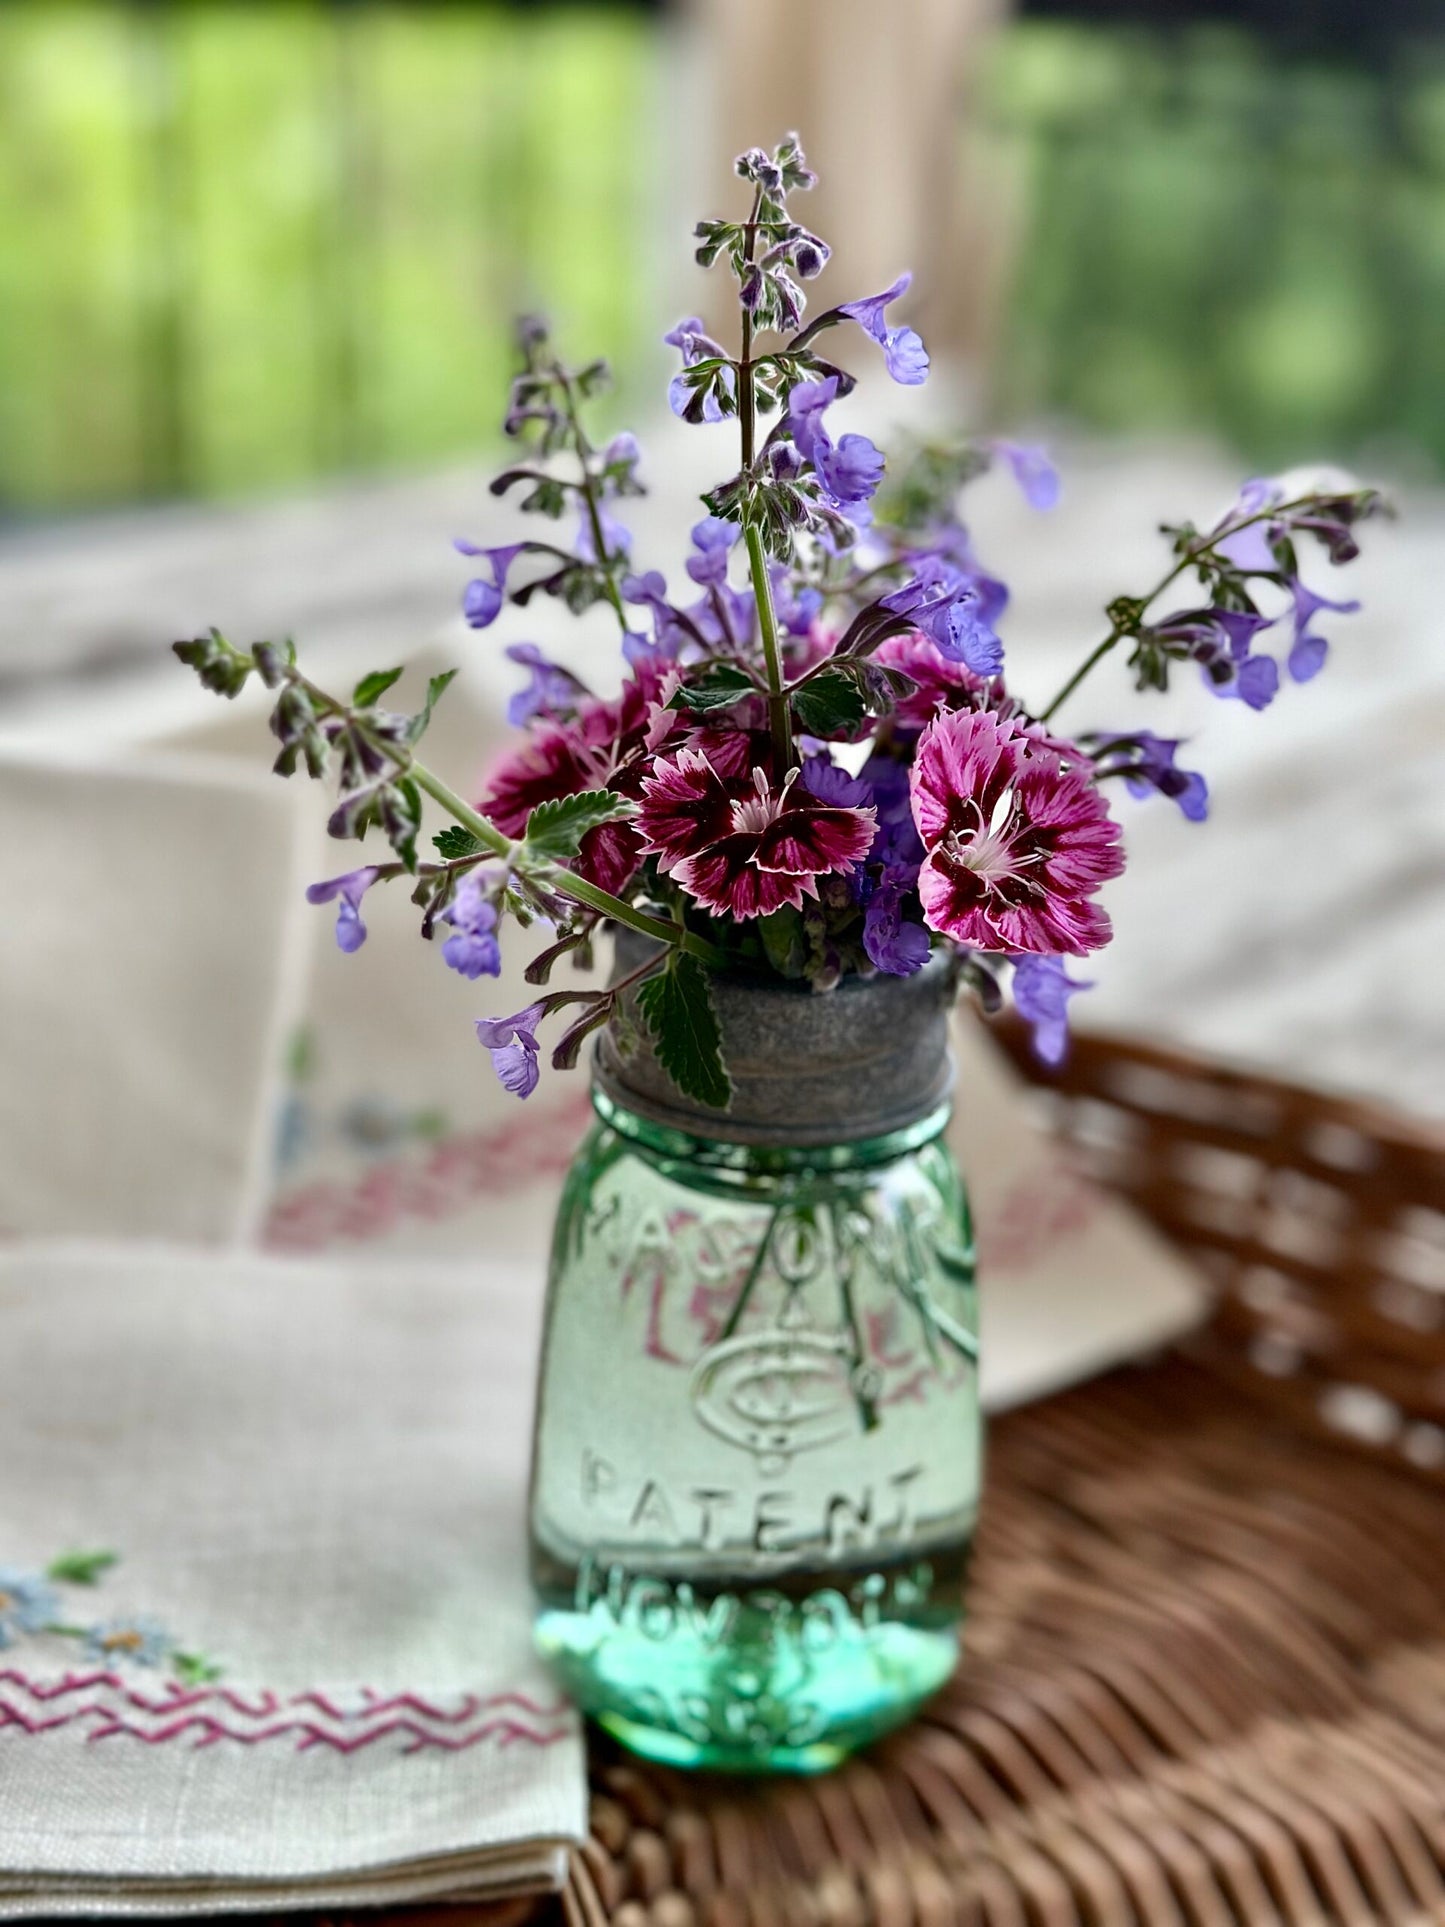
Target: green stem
(778, 719)
(1191, 555)
(566, 881)
(1096, 655)
(588, 487)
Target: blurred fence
(1228, 233)
(241, 244)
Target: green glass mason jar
(757, 1454)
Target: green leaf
(422, 718)
(454, 842)
(80, 1568)
(370, 687)
(717, 686)
(194, 1669)
(676, 1006)
(784, 942)
(828, 703)
(555, 829)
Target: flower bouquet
(811, 811)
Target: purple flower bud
(346, 892)
(785, 461)
(810, 255)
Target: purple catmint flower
(831, 784)
(1033, 471)
(512, 1042)
(1221, 641)
(949, 609)
(1307, 653)
(712, 538)
(482, 600)
(896, 945)
(806, 402)
(551, 690)
(616, 539)
(796, 609)
(904, 354)
(1042, 989)
(1147, 763)
(473, 951)
(849, 470)
(346, 892)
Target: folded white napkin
(313, 1482)
(150, 970)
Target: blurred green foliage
(242, 244)
(1222, 238)
(247, 242)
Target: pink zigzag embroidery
(379, 1717)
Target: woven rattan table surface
(1205, 1669)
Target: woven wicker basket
(1205, 1679)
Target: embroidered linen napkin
(150, 970)
(306, 1679)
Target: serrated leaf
(717, 686)
(435, 688)
(555, 829)
(371, 687)
(454, 842)
(828, 703)
(677, 1008)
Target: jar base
(692, 1702)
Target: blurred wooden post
(881, 93)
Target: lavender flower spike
(904, 354)
(513, 1044)
(346, 892)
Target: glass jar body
(757, 1453)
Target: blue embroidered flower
(28, 1603)
(143, 1641)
